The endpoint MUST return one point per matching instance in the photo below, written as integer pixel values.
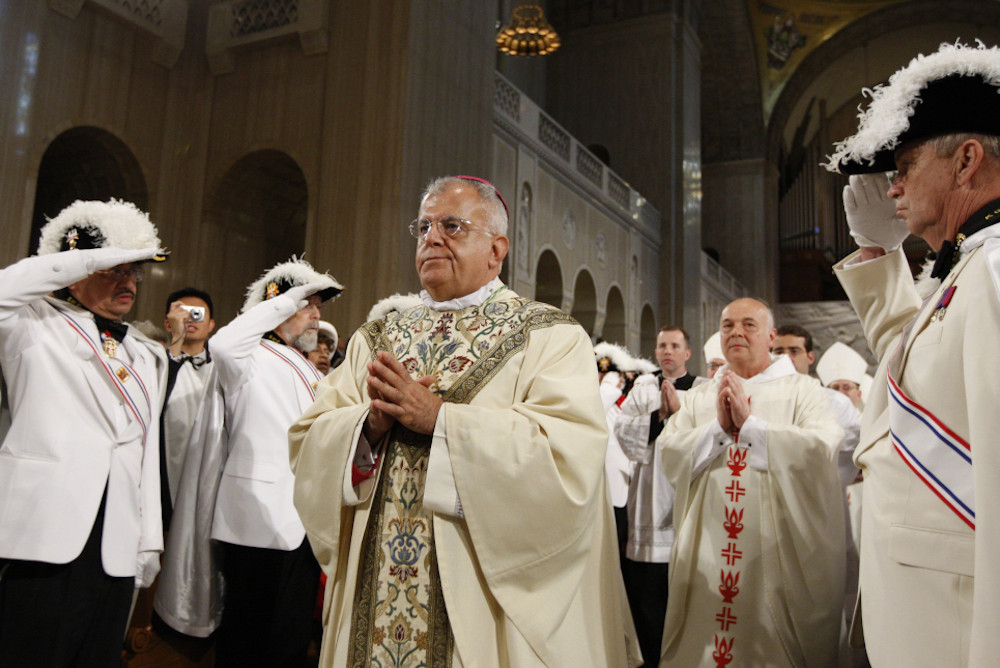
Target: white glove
(871, 215)
(147, 568)
(299, 293)
(106, 258)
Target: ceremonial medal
(109, 343)
(942, 305)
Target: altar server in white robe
(451, 472)
(930, 530)
(757, 575)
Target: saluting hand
(871, 213)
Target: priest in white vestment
(450, 475)
(757, 575)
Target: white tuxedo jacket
(928, 581)
(72, 431)
(266, 386)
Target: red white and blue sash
(302, 367)
(135, 395)
(940, 458)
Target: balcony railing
(522, 117)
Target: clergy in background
(451, 473)
(757, 575)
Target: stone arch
(548, 279)
(254, 218)
(647, 331)
(88, 163)
(819, 106)
(615, 328)
(822, 63)
(585, 301)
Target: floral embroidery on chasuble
(399, 614)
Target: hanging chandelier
(528, 33)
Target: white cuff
(712, 442)
(753, 436)
(854, 261)
(440, 492)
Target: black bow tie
(114, 328)
(948, 256)
(196, 361)
(945, 260)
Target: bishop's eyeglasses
(448, 226)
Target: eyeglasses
(117, 273)
(449, 226)
(843, 386)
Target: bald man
(757, 573)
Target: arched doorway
(585, 301)
(614, 320)
(254, 218)
(85, 163)
(548, 279)
(647, 332)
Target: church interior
(662, 160)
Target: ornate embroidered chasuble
(400, 618)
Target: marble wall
(392, 100)
(317, 140)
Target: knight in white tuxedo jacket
(930, 524)
(79, 475)
(266, 383)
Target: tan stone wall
(388, 106)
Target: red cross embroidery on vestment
(735, 490)
(731, 554)
(726, 618)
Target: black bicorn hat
(954, 90)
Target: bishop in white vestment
(470, 528)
